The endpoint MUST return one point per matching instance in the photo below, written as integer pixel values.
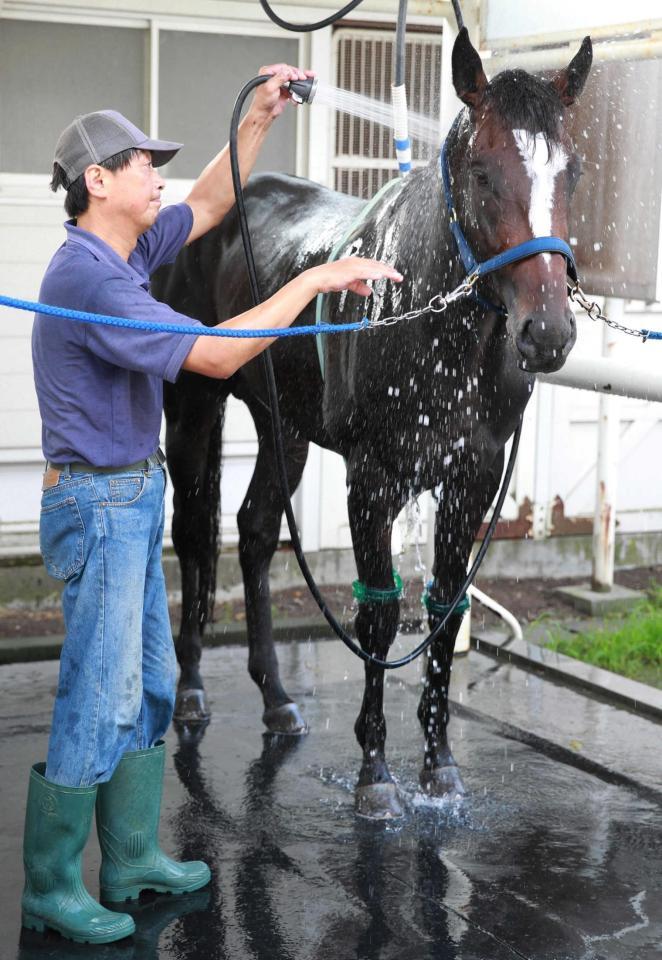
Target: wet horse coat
(427, 404)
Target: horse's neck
(424, 250)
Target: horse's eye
(480, 176)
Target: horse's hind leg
(457, 522)
(259, 526)
(371, 519)
(194, 410)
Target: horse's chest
(425, 426)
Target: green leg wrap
(128, 811)
(57, 825)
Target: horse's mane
(526, 102)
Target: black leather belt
(154, 460)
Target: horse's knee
(190, 524)
(258, 534)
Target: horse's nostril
(525, 342)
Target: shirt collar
(104, 253)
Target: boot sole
(127, 894)
(33, 922)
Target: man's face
(134, 193)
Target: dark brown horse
(426, 404)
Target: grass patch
(630, 645)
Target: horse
(424, 404)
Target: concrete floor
(556, 854)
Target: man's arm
(220, 357)
(212, 195)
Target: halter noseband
(521, 251)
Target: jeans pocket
(61, 538)
(126, 490)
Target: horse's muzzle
(543, 343)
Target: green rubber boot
(57, 825)
(128, 811)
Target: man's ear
(570, 82)
(95, 180)
(469, 77)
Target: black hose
(458, 13)
(308, 27)
(400, 34)
(280, 453)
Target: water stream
(378, 111)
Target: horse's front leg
(457, 521)
(371, 520)
(259, 520)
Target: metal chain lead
(592, 308)
(437, 304)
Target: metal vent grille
(364, 157)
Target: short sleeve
(162, 242)
(160, 354)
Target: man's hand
(351, 273)
(270, 98)
(216, 357)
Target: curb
(285, 630)
(638, 697)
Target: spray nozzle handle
(302, 91)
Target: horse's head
(514, 171)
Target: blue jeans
(102, 534)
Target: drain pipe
(399, 96)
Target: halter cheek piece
(476, 270)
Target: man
(101, 527)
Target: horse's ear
(469, 78)
(570, 82)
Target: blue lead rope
(189, 329)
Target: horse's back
(294, 224)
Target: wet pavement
(556, 854)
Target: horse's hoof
(286, 720)
(191, 707)
(378, 801)
(443, 782)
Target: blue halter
(520, 252)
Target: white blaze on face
(542, 170)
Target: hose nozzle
(302, 91)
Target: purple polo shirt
(100, 388)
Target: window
(200, 75)
(52, 72)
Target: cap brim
(162, 150)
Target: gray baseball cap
(94, 137)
